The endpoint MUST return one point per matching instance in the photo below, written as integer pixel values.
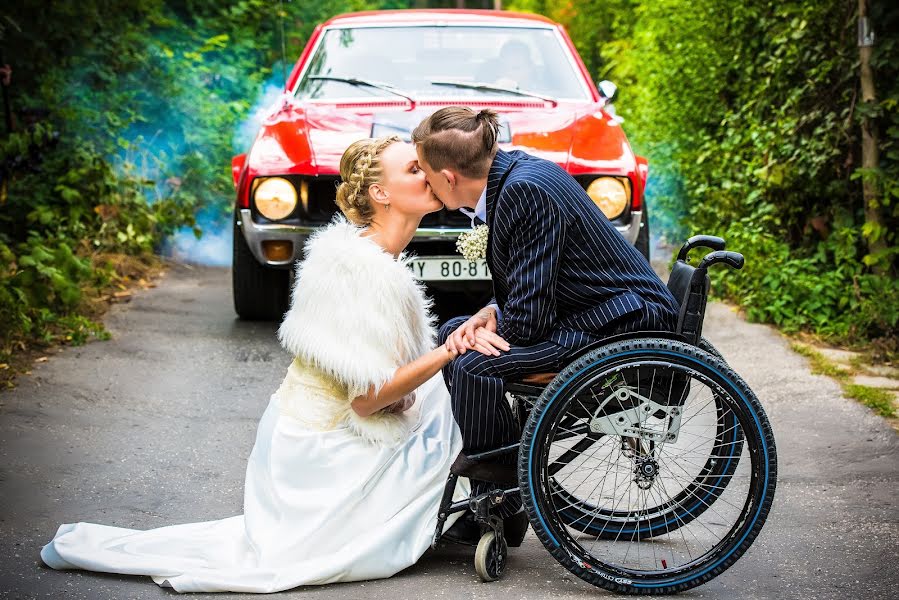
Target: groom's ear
(450, 178)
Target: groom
(563, 277)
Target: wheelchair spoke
(650, 461)
(630, 507)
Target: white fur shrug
(356, 315)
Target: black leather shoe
(514, 528)
(464, 531)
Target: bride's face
(405, 183)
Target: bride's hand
(478, 333)
(402, 405)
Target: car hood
(310, 138)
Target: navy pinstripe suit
(563, 277)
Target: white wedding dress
(330, 496)
(319, 507)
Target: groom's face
(441, 183)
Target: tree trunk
(870, 150)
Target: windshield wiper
(386, 87)
(493, 88)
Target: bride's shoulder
(341, 244)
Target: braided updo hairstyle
(360, 167)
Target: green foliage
(820, 364)
(751, 122)
(880, 401)
(748, 110)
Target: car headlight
(609, 194)
(275, 198)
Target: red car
(376, 73)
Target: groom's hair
(460, 139)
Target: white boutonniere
(472, 244)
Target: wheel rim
(660, 562)
(600, 521)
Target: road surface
(153, 428)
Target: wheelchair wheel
(647, 466)
(689, 503)
(490, 557)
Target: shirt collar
(480, 210)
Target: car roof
(457, 16)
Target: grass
(878, 400)
(55, 331)
(820, 364)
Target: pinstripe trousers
(485, 418)
(475, 383)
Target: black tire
(642, 241)
(708, 347)
(260, 293)
(757, 460)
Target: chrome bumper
(256, 233)
(632, 229)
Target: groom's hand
(478, 333)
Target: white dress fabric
(329, 496)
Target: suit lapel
(499, 169)
(496, 178)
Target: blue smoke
(214, 247)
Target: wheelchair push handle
(712, 242)
(734, 260)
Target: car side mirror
(607, 90)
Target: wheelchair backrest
(690, 285)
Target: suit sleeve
(533, 225)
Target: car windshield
(411, 59)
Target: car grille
(322, 191)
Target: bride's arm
(406, 379)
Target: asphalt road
(153, 428)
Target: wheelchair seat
(690, 287)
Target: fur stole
(357, 315)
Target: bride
(352, 453)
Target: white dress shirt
(480, 210)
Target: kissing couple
(353, 451)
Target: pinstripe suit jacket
(561, 271)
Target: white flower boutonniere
(472, 244)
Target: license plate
(447, 268)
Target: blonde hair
(458, 138)
(360, 167)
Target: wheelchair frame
(689, 285)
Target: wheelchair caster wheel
(490, 557)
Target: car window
(527, 59)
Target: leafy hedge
(749, 111)
(127, 113)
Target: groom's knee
(473, 363)
(450, 326)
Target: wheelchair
(646, 466)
